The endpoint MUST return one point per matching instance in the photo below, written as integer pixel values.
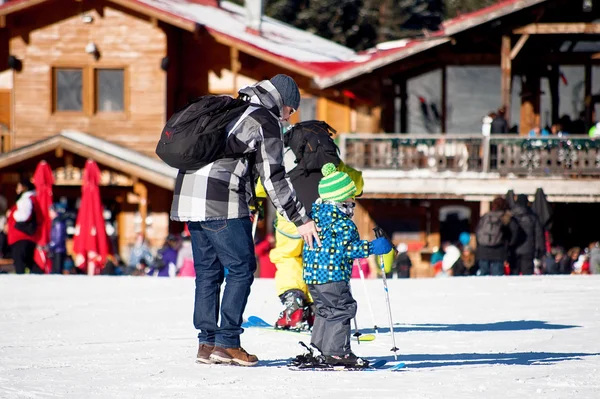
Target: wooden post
(553, 81)
(235, 68)
(506, 67)
(142, 191)
(444, 116)
(403, 106)
(589, 107)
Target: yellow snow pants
(287, 256)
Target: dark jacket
(528, 240)
(460, 269)
(499, 125)
(58, 236)
(402, 265)
(498, 252)
(306, 186)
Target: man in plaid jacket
(214, 200)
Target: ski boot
(297, 314)
(349, 360)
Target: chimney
(254, 13)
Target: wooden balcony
(504, 155)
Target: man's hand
(308, 231)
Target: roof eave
(60, 141)
(368, 67)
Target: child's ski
(375, 366)
(254, 321)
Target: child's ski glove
(381, 246)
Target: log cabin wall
(47, 38)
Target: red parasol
(43, 181)
(90, 244)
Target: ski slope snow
(132, 337)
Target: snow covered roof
(323, 60)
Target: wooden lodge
(98, 79)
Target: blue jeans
(493, 267)
(217, 245)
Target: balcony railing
(504, 154)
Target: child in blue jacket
(327, 268)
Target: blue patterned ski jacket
(341, 244)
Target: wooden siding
(123, 40)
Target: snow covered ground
(120, 337)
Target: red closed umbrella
(90, 244)
(43, 181)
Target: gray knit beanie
(288, 89)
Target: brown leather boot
(204, 351)
(233, 355)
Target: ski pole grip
(378, 232)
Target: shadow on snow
(414, 361)
(514, 325)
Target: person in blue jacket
(327, 269)
(57, 247)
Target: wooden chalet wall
(54, 35)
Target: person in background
(185, 257)
(402, 263)
(140, 257)
(527, 238)
(57, 247)
(466, 265)
(493, 235)
(361, 264)
(500, 124)
(595, 257)
(451, 256)
(165, 262)
(266, 268)
(4, 248)
(23, 228)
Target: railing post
(486, 154)
(342, 146)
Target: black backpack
(29, 226)
(196, 134)
(490, 230)
(312, 144)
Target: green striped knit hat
(335, 186)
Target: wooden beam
(403, 106)
(520, 43)
(559, 29)
(506, 68)
(11, 7)
(444, 116)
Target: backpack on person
(195, 136)
(28, 226)
(490, 230)
(312, 145)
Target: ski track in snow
(129, 337)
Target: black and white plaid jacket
(221, 190)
